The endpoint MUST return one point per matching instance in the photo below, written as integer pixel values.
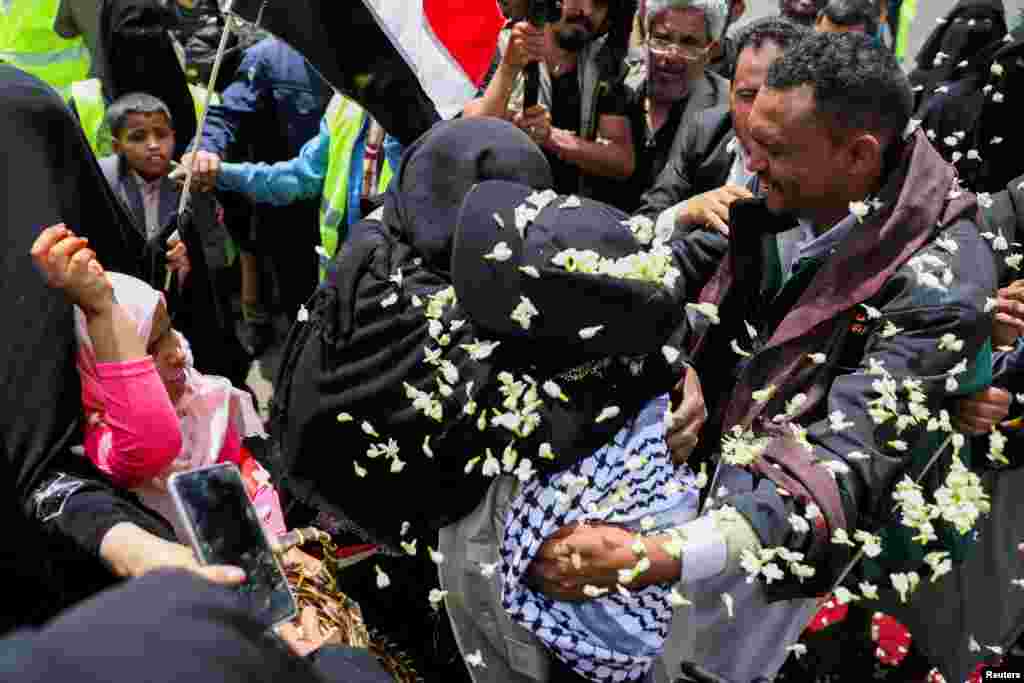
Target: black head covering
(50, 176)
(968, 28)
(135, 54)
(999, 121)
(166, 627)
(440, 168)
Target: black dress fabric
(167, 627)
(50, 176)
(135, 54)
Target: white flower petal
(608, 413)
(382, 579)
(500, 252)
(708, 310)
(590, 332)
(670, 353)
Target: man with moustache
(680, 38)
(580, 121)
(804, 12)
(832, 147)
(707, 171)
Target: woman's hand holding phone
(131, 551)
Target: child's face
(168, 355)
(147, 142)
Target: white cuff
(666, 223)
(705, 552)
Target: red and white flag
(448, 43)
(408, 62)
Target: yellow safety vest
(908, 12)
(345, 119)
(92, 112)
(28, 41)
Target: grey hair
(715, 13)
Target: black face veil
(135, 54)
(49, 176)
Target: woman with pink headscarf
(149, 412)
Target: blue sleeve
(393, 151)
(286, 181)
(244, 96)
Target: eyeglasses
(690, 53)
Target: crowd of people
(689, 351)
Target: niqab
(50, 176)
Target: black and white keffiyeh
(617, 636)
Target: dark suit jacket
(699, 161)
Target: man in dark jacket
(274, 105)
(980, 599)
(673, 84)
(802, 355)
(706, 170)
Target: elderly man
(676, 83)
(708, 171)
(793, 349)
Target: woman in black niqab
(50, 176)
(135, 54)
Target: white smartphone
(224, 528)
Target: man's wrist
(561, 143)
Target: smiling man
(707, 171)
(792, 347)
(676, 83)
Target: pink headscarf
(209, 405)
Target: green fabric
(29, 42)
(908, 12)
(345, 120)
(92, 115)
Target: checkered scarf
(638, 621)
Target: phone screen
(226, 530)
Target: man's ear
(117, 146)
(865, 154)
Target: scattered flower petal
(382, 579)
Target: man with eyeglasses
(707, 169)
(672, 84)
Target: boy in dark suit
(143, 141)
